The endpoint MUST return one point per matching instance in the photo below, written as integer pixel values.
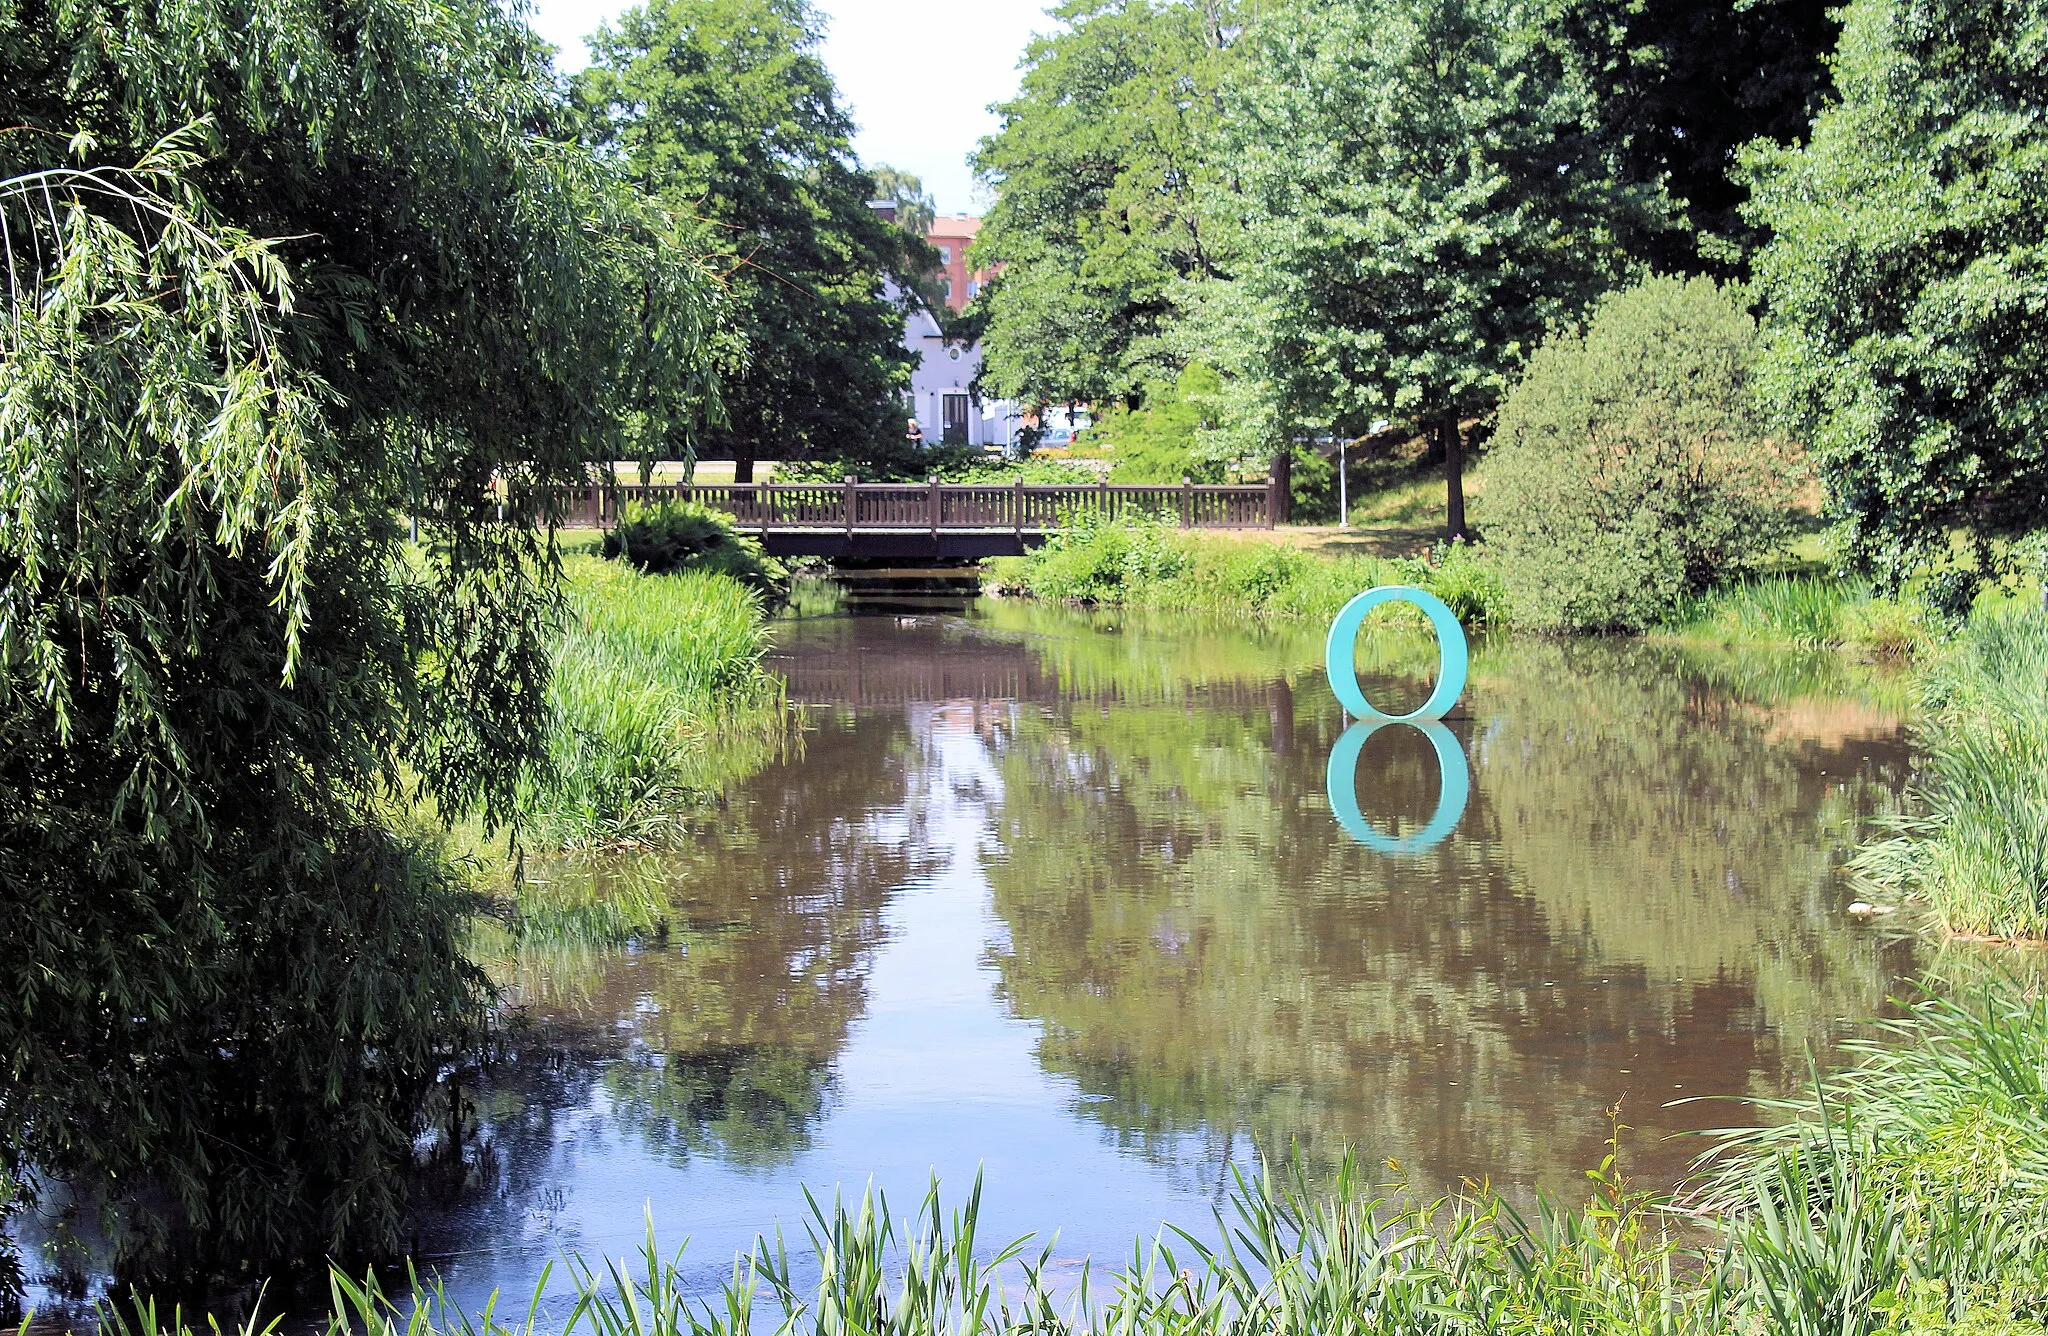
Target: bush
(1157, 443)
(1629, 469)
(687, 536)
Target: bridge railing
(855, 506)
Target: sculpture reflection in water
(1453, 666)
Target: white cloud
(917, 75)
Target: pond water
(1058, 898)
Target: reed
(1978, 852)
(660, 698)
(1806, 612)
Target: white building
(941, 395)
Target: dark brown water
(1059, 897)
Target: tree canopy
(724, 110)
(1100, 167)
(1421, 199)
(1679, 86)
(1905, 279)
(228, 982)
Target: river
(1058, 898)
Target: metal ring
(1341, 783)
(1453, 654)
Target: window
(973, 288)
(949, 289)
(945, 255)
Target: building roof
(954, 226)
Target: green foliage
(1629, 471)
(659, 700)
(1136, 562)
(1979, 853)
(1421, 199)
(1679, 86)
(688, 536)
(1906, 1194)
(723, 109)
(1099, 168)
(230, 989)
(1158, 443)
(1903, 279)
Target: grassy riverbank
(1977, 853)
(1906, 1198)
(1140, 563)
(660, 698)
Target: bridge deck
(962, 520)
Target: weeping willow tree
(229, 987)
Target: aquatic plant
(1807, 611)
(1979, 852)
(659, 698)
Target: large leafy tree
(724, 109)
(1680, 86)
(1906, 279)
(1100, 167)
(1423, 195)
(226, 984)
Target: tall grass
(1979, 853)
(1906, 1197)
(1132, 561)
(1805, 611)
(660, 698)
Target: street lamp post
(1343, 488)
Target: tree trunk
(1454, 476)
(742, 462)
(1283, 485)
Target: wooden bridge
(934, 519)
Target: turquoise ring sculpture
(1454, 660)
(1453, 666)
(1341, 783)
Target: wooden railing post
(935, 507)
(1017, 510)
(1187, 502)
(1272, 496)
(852, 502)
(1102, 498)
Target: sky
(917, 75)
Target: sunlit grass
(660, 698)
(1978, 852)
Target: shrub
(1629, 468)
(688, 536)
(1157, 443)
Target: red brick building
(950, 236)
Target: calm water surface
(1059, 898)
